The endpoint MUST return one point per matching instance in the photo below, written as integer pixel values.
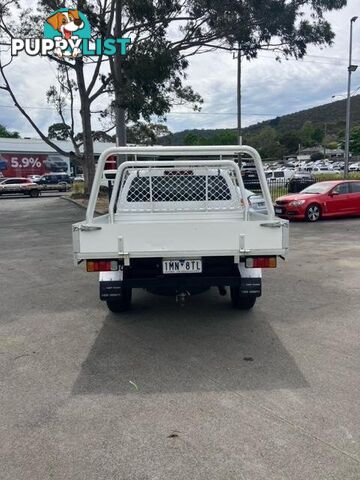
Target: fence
(279, 187)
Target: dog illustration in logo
(67, 23)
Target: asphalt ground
(164, 392)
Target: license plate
(182, 266)
(278, 210)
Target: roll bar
(218, 150)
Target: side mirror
(333, 194)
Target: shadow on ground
(161, 347)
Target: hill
(332, 114)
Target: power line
(337, 60)
(225, 113)
(170, 113)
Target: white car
(79, 178)
(355, 167)
(256, 202)
(324, 170)
(279, 175)
(108, 176)
(179, 227)
(34, 178)
(18, 185)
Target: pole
(239, 130)
(348, 104)
(120, 114)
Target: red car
(321, 200)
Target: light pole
(351, 69)
(238, 94)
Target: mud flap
(250, 280)
(110, 285)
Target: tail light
(260, 262)
(102, 265)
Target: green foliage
(317, 156)
(223, 137)
(355, 140)
(191, 139)
(268, 144)
(59, 131)
(323, 177)
(291, 141)
(143, 133)
(4, 133)
(318, 135)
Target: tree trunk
(120, 114)
(87, 160)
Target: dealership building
(20, 157)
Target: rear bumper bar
(112, 289)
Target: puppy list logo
(67, 33)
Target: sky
(269, 88)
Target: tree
(30, 26)
(146, 133)
(318, 135)
(317, 156)
(139, 79)
(355, 140)
(59, 131)
(227, 137)
(306, 134)
(191, 139)
(150, 80)
(4, 133)
(267, 143)
(290, 140)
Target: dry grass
(322, 177)
(77, 194)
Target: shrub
(322, 177)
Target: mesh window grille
(179, 188)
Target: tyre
(313, 213)
(241, 301)
(120, 304)
(34, 193)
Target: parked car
(55, 181)
(3, 163)
(256, 202)
(108, 176)
(79, 178)
(321, 200)
(250, 176)
(34, 178)
(56, 164)
(280, 176)
(355, 167)
(323, 170)
(300, 180)
(19, 185)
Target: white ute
(179, 223)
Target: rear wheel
(121, 304)
(241, 301)
(34, 193)
(313, 213)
